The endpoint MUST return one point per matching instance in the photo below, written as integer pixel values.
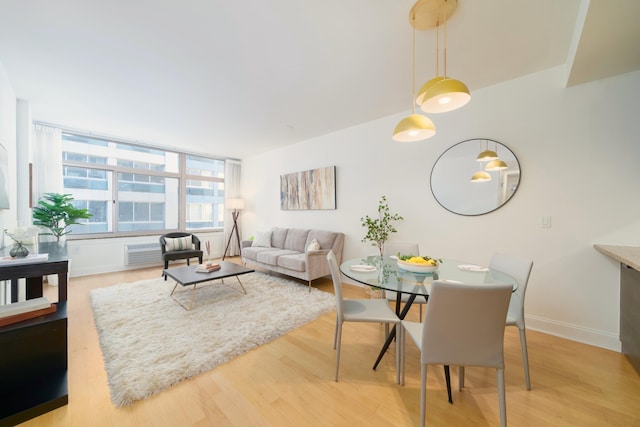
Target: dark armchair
(179, 245)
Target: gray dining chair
(360, 310)
(463, 326)
(395, 248)
(520, 270)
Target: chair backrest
(178, 234)
(464, 324)
(519, 269)
(336, 276)
(394, 248)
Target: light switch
(545, 222)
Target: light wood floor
(290, 381)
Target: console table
(629, 258)
(33, 359)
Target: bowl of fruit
(417, 264)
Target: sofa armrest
(317, 265)
(246, 243)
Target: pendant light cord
(444, 54)
(413, 65)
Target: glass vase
(19, 251)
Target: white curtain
(46, 156)
(231, 191)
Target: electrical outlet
(545, 221)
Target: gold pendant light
(487, 155)
(496, 165)
(480, 176)
(442, 94)
(416, 127)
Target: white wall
(579, 156)
(8, 140)
(96, 256)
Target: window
(131, 189)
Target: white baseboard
(570, 331)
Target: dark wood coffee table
(187, 276)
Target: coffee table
(187, 276)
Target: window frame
(182, 176)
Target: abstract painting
(313, 189)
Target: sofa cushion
(278, 236)
(271, 256)
(262, 239)
(294, 262)
(325, 238)
(251, 252)
(313, 246)
(296, 240)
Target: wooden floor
(290, 381)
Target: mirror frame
(514, 169)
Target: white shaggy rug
(149, 342)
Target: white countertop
(629, 255)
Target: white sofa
(285, 250)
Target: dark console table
(629, 258)
(33, 355)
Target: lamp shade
(415, 127)
(480, 176)
(496, 165)
(444, 95)
(235, 204)
(487, 156)
(425, 88)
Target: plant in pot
(56, 213)
(379, 229)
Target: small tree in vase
(378, 229)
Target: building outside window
(131, 189)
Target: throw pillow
(313, 246)
(262, 239)
(179, 243)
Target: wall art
(313, 189)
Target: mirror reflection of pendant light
(487, 155)
(496, 165)
(415, 127)
(480, 176)
(442, 94)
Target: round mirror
(475, 177)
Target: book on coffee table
(207, 268)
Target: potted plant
(56, 213)
(378, 229)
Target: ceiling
(233, 79)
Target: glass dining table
(384, 273)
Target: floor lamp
(235, 206)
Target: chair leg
(423, 394)
(309, 286)
(402, 354)
(447, 376)
(335, 335)
(398, 349)
(525, 358)
(338, 345)
(501, 398)
(460, 378)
